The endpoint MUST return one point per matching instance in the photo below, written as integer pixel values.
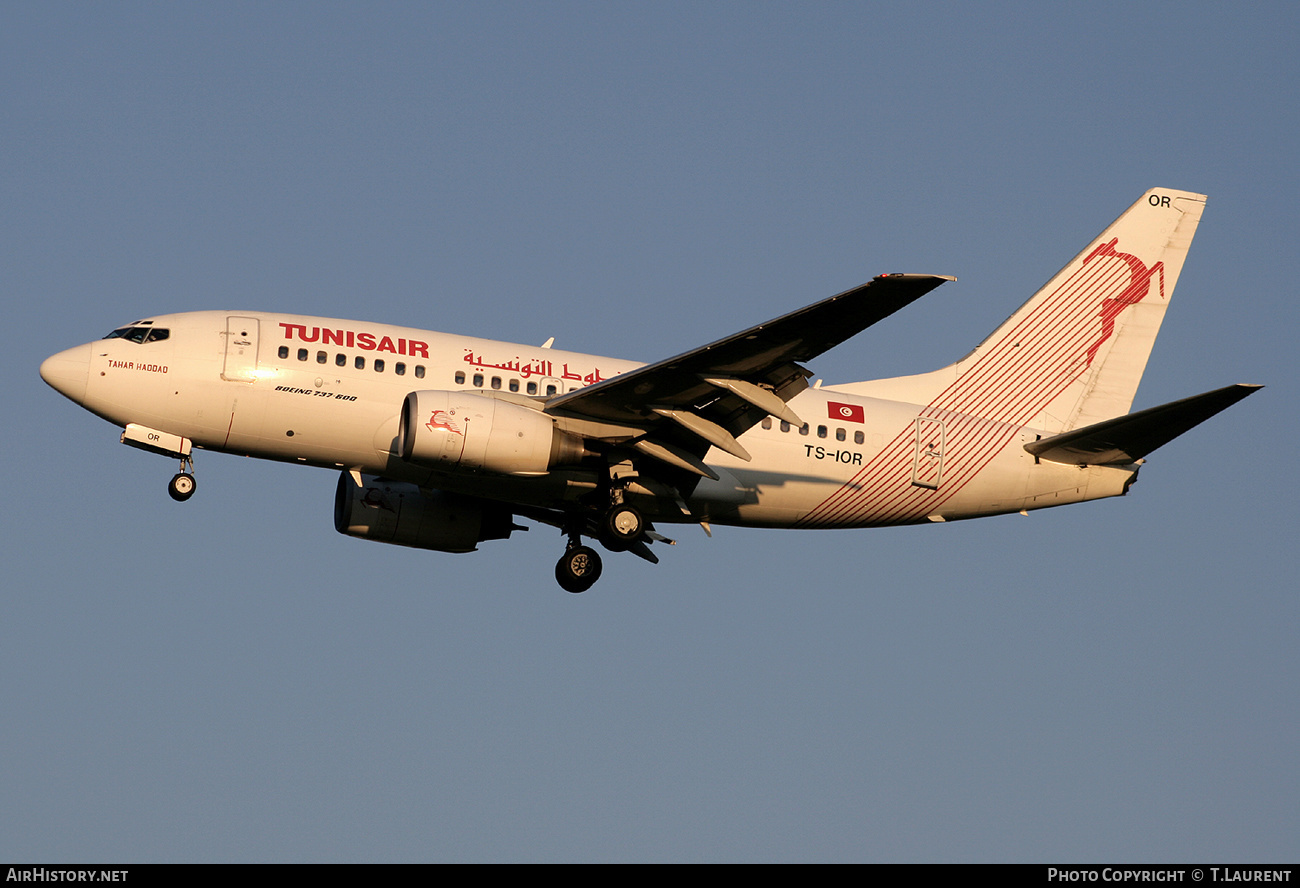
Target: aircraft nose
(68, 371)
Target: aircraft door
(241, 350)
(927, 462)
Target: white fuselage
(328, 392)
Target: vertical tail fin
(1074, 353)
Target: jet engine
(400, 513)
(461, 430)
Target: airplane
(443, 441)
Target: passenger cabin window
(514, 385)
(460, 376)
(399, 368)
(478, 380)
(379, 365)
(496, 382)
(532, 388)
(767, 422)
(419, 371)
(321, 357)
(341, 360)
(302, 354)
(858, 437)
(359, 363)
(839, 434)
(284, 351)
(803, 429)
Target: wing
(705, 397)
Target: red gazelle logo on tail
(1139, 286)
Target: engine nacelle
(400, 513)
(465, 431)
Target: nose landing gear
(181, 486)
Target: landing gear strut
(181, 486)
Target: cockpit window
(139, 333)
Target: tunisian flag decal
(845, 412)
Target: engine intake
(461, 430)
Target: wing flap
(708, 430)
(764, 399)
(675, 457)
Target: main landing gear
(604, 516)
(578, 568)
(181, 486)
(620, 529)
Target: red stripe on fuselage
(1012, 382)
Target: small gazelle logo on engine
(441, 419)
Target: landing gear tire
(181, 486)
(578, 569)
(623, 527)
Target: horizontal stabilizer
(1127, 439)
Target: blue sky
(230, 680)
